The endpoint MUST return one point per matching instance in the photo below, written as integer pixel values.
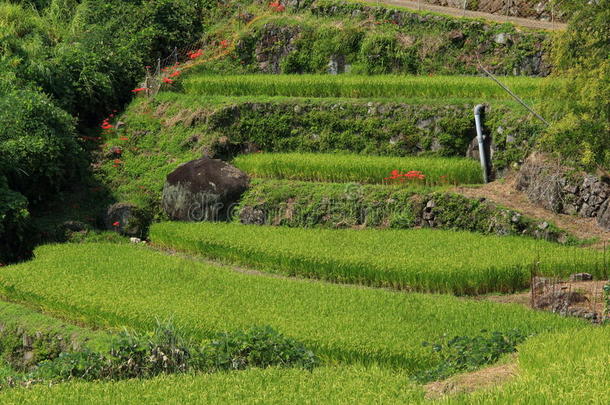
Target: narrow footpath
(523, 22)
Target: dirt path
(504, 193)
(523, 22)
(469, 382)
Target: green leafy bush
(15, 228)
(165, 351)
(37, 144)
(258, 347)
(466, 353)
(580, 108)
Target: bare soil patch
(470, 382)
(504, 193)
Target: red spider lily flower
(195, 54)
(117, 161)
(123, 138)
(167, 80)
(277, 6)
(394, 174)
(116, 224)
(224, 43)
(139, 90)
(176, 73)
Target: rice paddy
(412, 171)
(346, 86)
(109, 285)
(417, 259)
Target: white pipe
(478, 109)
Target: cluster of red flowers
(106, 125)
(167, 80)
(224, 43)
(139, 90)
(117, 162)
(410, 175)
(195, 54)
(277, 6)
(116, 224)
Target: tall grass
(124, 285)
(347, 86)
(420, 259)
(359, 168)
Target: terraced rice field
(346, 86)
(122, 285)
(419, 259)
(361, 169)
(370, 340)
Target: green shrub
(165, 351)
(15, 229)
(579, 110)
(258, 347)
(466, 353)
(37, 144)
(382, 53)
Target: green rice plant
(558, 368)
(415, 259)
(555, 368)
(348, 86)
(362, 169)
(329, 385)
(109, 285)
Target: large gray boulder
(203, 190)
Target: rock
(501, 38)
(135, 240)
(541, 180)
(336, 65)
(74, 226)
(126, 219)
(456, 36)
(203, 189)
(543, 225)
(581, 277)
(603, 215)
(559, 301)
(252, 216)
